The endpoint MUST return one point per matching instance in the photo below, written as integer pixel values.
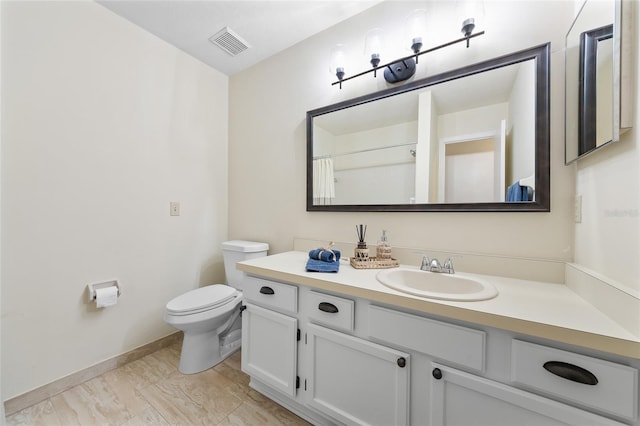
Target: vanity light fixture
(403, 68)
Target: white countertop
(550, 311)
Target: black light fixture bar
(415, 55)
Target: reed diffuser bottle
(361, 251)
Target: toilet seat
(202, 299)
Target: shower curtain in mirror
(324, 190)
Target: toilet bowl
(209, 316)
(204, 314)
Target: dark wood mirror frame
(541, 203)
(588, 86)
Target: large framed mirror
(597, 75)
(474, 139)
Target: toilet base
(202, 351)
(199, 352)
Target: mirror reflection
(462, 141)
(589, 83)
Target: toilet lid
(202, 299)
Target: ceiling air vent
(229, 41)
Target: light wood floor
(151, 391)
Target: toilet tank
(236, 251)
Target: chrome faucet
(434, 265)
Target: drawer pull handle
(571, 372)
(328, 307)
(402, 362)
(266, 290)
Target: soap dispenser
(383, 250)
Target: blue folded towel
(325, 255)
(314, 265)
(519, 193)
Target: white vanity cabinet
(350, 379)
(270, 338)
(311, 356)
(359, 362)
(355, 381)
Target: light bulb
(337, 61)
(417, 27)
(469, 11)
(373, 46)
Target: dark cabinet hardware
(571, 372)
(437, 373)
(402, 362)
(328, 307)
(266, 290)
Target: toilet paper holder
(93, 287)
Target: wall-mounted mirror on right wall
(598, 77)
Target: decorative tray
(373, 263)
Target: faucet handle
(424, 266)
(448, 266)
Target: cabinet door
(355, 381)
(269, 341)
(459, 398)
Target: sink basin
(436, 285)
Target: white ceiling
(268, 26)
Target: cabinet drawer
(271, 294)
(487, 402)
(591, 382)
(451, 343)
(336, 312)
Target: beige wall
(267, 138)
(103, 126)
(608, 238)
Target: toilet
(210, 316)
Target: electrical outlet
(174, 208)
(577, 209)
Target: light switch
(174, 208)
